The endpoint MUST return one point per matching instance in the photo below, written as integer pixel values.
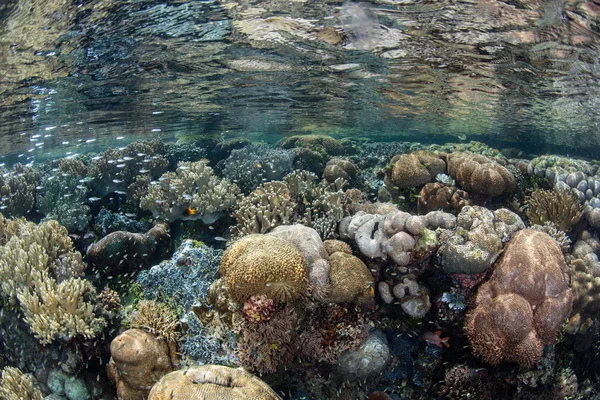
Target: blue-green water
(308, 190)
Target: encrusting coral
(262, 264)
(14, 385)
(55, 302)
(521, 308)
(561, 207)
(192, 192)
(211, 382)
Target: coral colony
(310, 269)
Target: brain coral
(211, 382)
(261, 264)
(479, 174)
(520, 309)
(351, 280)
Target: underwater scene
(299, 200)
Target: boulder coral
(340, 168)
(521, 308)
(413, 170)
(438, 196)
(125, 251)
(211, 382)
(479, 174)
(262, 264)
(351, 280)
(320, 143)
(138, 360)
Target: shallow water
(101, 101)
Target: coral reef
(413, 170)
(127, 252)
(156, 318)
(14, 385)
(192, 192)
(211, 382)
(477, 240)
(338, 168)
(438, 196)
(268, 206)
(414, 297)
(39, 271)
(138, 360)
(262, 264)
(369, 359)
(320, 143)
(350, 279)
(183, 151)
(107, 222)
(17, 190)
(521, 308)
(115, 169)
(252, 165)
(478, 174)
(561, 207)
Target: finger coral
(192, 192)
(30, 279)
(261, 264)
(521, 308)
(561, 207)
(211, 382)
(14, 385)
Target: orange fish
(435, 338)
(189, 211)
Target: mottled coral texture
(261, 264)
(211, 382)
(521, 308)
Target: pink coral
(258, 308)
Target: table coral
(192, 192)
(521, 308)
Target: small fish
(257, 165)
(435, 338)
(94, 199)
(189, 211)
(220, 239)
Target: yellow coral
(14, 385)
(260, 264)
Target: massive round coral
(479, 174)
(261, 264)
(351, 280)
(520, 309)
(211, 382)
(415, 169)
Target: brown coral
(561, 207)
(333, 245)
(520, 309)
(351, 280)
(261, 264)
(340, 168)
(320, 143)
(211, 382)
(438, 196)
(157, 319)
(479, 174)
(415, 169)
(138, 360)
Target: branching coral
(14, 385)
(192, 192)
(156, 318)
(561, 207)
(29, 279)
(267, 206)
